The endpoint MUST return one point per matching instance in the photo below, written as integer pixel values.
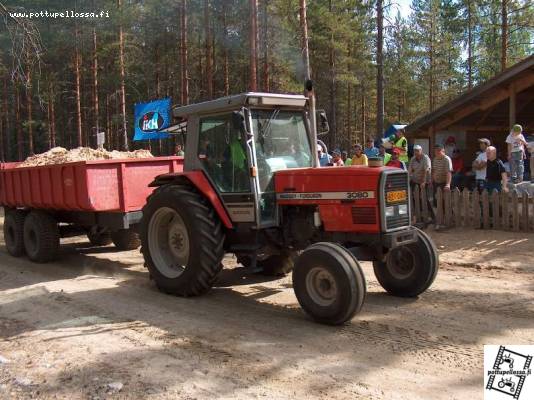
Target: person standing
(450, 146)
(419, 171)
(370, 149)
(385, 156)
(345, 157)
(178, 151)
(324, 158)
(479, 165)
(516, 153)
(400, 142)
(359, 158)
(441, 170)
(395, 160)
(458, 175)
(496, 178)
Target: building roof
(480, 97)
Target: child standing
(516, 152)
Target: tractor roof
(240, 100)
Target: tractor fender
(202, 184)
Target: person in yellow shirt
(359, 158)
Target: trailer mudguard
(202, 184)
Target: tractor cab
(240, 141)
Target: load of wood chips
(60, 155)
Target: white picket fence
(502, 211)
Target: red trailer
(101, 198)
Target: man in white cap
(419, 170)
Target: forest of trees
(64, 79)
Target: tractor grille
(397, 182)
(363, 215)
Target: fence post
(524, 212)
(496, 217)
(447, 208)
(439, 211)
(475, 203)
(485, 210)
(467, 208)
(505, 216)
(515, 210)
(457, 207)
(417, 202)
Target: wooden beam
(511, 106)
(501, 94)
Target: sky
(403, 6)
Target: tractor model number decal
(361, 195)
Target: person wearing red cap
(450, 146)
(395, 162)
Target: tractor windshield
(281, 142)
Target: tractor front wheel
(409, 270)
(329, 283)
(182, 240)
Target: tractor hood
(340, 182)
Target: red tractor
(251, 185)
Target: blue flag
(151, 118)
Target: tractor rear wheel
(14, 232)
(98, 237)
(329, 283)
(126, 239)
(275, 265)
(182, 240)
(409, 270)
(41, 237)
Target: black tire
(125, 239)
(200, 228)
(334, 271)
(14, 232)
(41, 237)
(409, 270)
(97, 237)
(275, 265)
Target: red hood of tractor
(328, 179)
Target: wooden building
(488, 110)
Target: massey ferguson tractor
(251, 185)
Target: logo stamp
(508, 372)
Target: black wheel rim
(401, 262)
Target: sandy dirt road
(92, 325)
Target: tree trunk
(7, 124)
(469, 45)
(253, 80)
(184, 78)
(109, 136)
(209, 50)
(20, 142)
(123, 89)
(77, 73)
(95, 83)
(52, 119)
(29, 110)
(349, 97)
(226, 69)
(265, 29)
(504, 33)
(379, 69)
(333, 83)
(364, 115)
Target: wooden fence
(504, 211)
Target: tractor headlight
(390, 211)
(403, 209)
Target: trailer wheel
(275, 265)
(329, 283)
(99, 237)
(409, 270)
(41, 237)
(14, 232)
(125, 239)
(182, 240)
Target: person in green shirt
(383, 154)
(345, 158)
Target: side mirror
(238, 121)
(322, 122)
